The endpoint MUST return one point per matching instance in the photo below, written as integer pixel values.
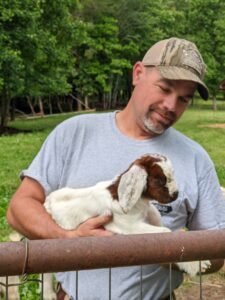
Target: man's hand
(92, 227)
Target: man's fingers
(95, 226)
(100, 220)
(102, 232)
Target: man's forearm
(29, 217)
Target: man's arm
(27, 215)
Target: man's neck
(129, 127)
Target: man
(90, 148)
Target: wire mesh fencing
(43, 287)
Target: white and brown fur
(127, 198)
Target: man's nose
(170, 102)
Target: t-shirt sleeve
(210, 211)
(46, 168)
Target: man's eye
(185, 99)
(164, 89)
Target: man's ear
(138, 72)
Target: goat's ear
(131, 185)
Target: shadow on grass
(5, 131)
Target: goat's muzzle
(174, 196)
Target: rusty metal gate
(44, 256)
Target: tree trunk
(214, 104)
(109, 99)
(81, 103)
(4, 112)
(12, 111)
(108, 95)
(86, 102)
(59, 105)
(41, 107)
(104, 101)
(70, 104)
(50, 105)
(29, 101)
(115, 92)
(79, 106)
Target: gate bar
(45, 256)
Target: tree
(50, 65)
(99, 61)
(206, 28)
(37, 39)
(15, 17)
(47, 48)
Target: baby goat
(127, 198)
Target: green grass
(41, 123)
(194, 124)
(17, 151)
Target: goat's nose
(175, 195)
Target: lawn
(17, 151)
(194, 123)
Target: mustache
(166, 113)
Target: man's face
(159, 102)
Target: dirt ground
(213, 288)
(221, 125)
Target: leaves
(99, 57)
(49, 48)
(36, 46)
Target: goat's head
(150, 176)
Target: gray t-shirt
(90, 148)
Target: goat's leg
(147, 228)
(192, 268)
(49, 293)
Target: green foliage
(142, 23)
(50, 48)
(51, 61)
(16, 18)
(206, 27)
(100, 58)
(36, 43)
(31, 290)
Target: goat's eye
(159, 181)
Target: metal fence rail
(44, 256)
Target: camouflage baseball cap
(178, 59)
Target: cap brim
(178, 73)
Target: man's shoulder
(185, 142)
(188, 148)
(88, 117)
(84, 120)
